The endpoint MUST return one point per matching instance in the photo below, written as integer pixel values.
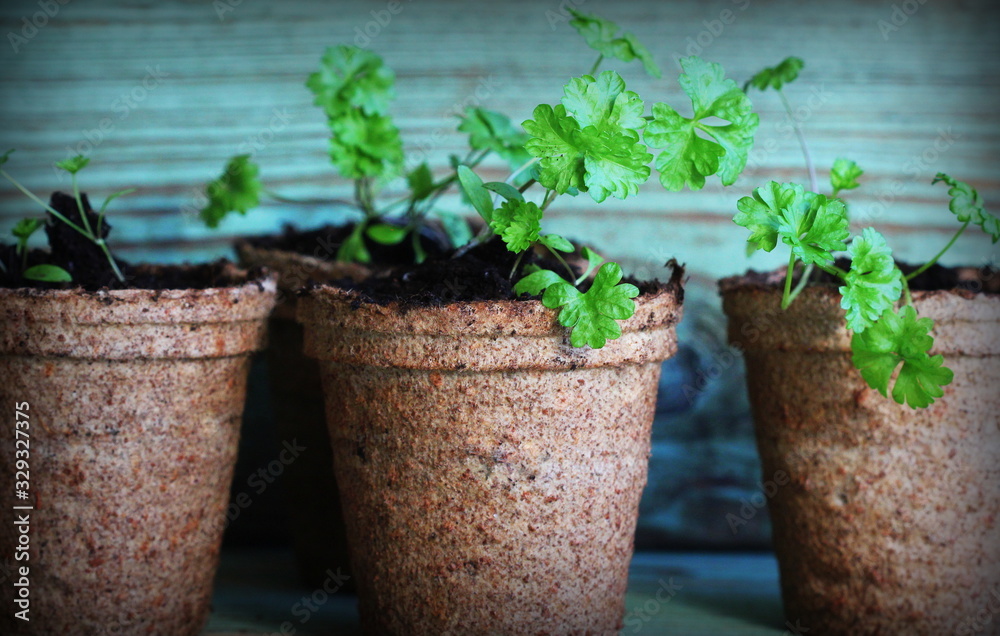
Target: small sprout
(844, 175)
(73, 165)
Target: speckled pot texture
(889, 522)
(134, 402)
(317, 525)
(490, 473)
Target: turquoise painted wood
(161, 93)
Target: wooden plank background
(904, 105)
(905, 87)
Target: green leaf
(537, 282)
(687, 157)
(493, 131)
(555, 140)
(811, 224)
(25, 228)
(873, 284)
(473, 188)
(350, 77)
(776, 76)
(387, 234)
(73, 164)
(421, 182)
(6, 156)
(901, 338)
(456, 227)
(594, 260)
(505, 190)
(556, 242)
(603, 102)
(112, 197)
(236, 190)
(590, 142)
(844, 175)
(353, 249)
(365, 145)
(601, 35)
(591, 315)
(518, 223)
(48, 274)
(967, 205)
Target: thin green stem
(79, 206)
(572, 274)
(3, 268)
(45, 205)
(527, 184)
(517, 263)
(516, 173)
(906, 291)
(934, 260)
(813, 182)
(550, 196)
(803, 281)
(597, 64)
(111, 259)
(833, 270)
(789, 275)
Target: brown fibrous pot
(134, 399)
(489, 472)
(889, 520)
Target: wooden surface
(669, 593)
(885, 101)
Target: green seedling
(886, 337)
(26, 227)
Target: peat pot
(889, 519)
(318, 537)
(490, 474)
(129, 405)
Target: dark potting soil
(324, 242)
(482, 273)
(89, 266)
(935, 278)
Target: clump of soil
(89, 266)
(324, 242)
(485, 272)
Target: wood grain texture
(919, 100)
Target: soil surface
(89, 267)
(325, 241)
(486, 272)
(936, 278)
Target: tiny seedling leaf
(48, 274)
(844, 175)
(602, 36)
(236, 190)
(556, 242)
(776, 76)
(6, 156)
(387, 234)
(518, 223)
(73, 164)
(537, 282)
(505, 190)
(967, 205)
(473, 188)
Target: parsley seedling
(596, 141)
(355, 89)
(26, 227)
(815, 228)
